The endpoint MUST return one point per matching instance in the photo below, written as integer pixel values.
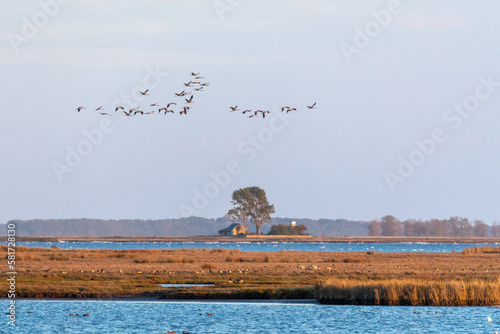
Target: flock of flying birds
(255, 113)
(193, 86)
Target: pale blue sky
(330, 162)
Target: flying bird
(234, 108)
(138, 112)
(80, 108)
(181, 93)
(100, 108)
(118, 108)
(104, 114)
(190, 99)
(245, 111)
(188, 84)
(195, 74)
(312, 106)
(291, 109)
(154, 105)
(145, 92)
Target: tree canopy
(457, 227)
(283, 229)
(250, 204)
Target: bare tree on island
(374, 228)
(251, 203)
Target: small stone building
(235, 229)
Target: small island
(252, 206)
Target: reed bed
(481, 250)
(409, 292)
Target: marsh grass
(481, 250)
(410, 292)
(209, 266)
(93, 273)
(58, 257)
(357, 259)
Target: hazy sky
(407, 117)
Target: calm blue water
(269, 246)
(158, 317)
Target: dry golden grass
(481, 250)
(109, 273)
(410, 292)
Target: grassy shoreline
(135, 274)
(407, 292)
(264, 239)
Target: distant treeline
(191, 226)
(452, 227)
